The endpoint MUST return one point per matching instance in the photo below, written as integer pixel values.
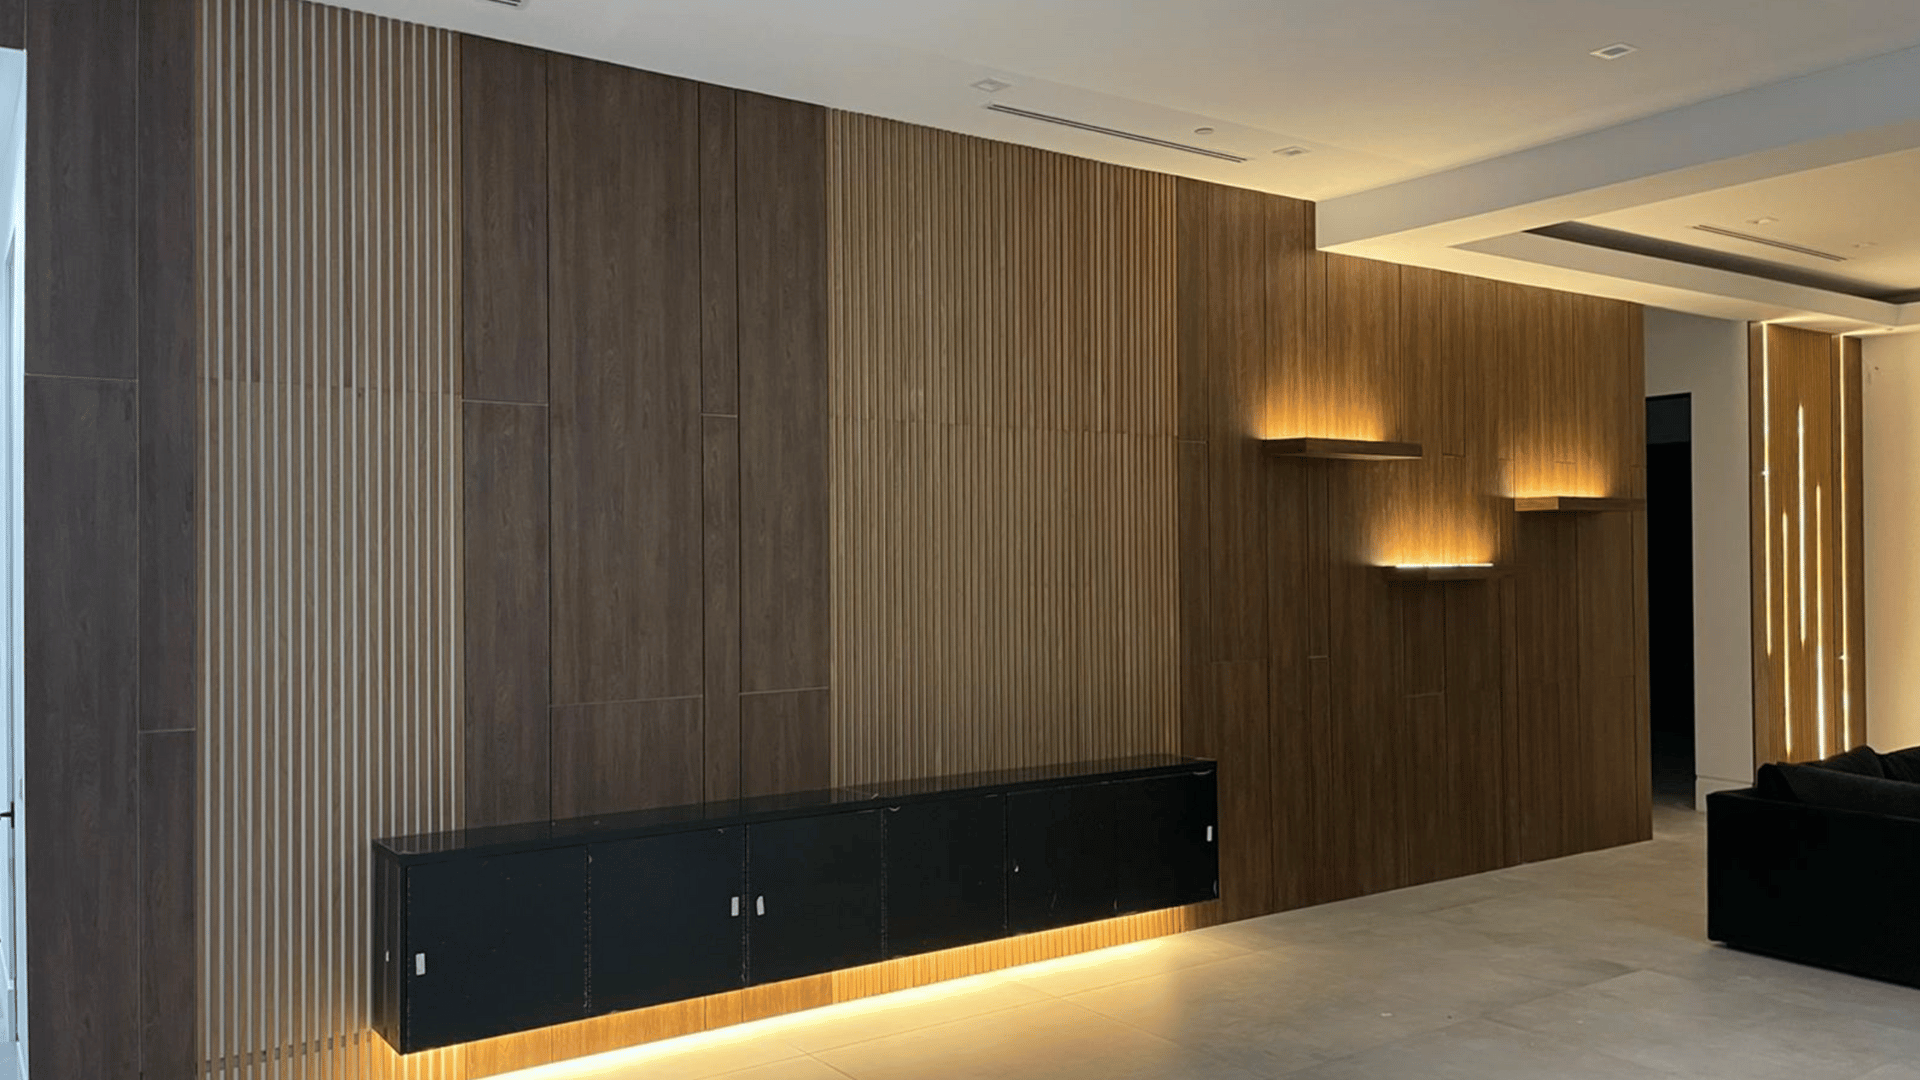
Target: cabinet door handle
(760, 905)
(1209, 834)
(419, 963)
(736, 907)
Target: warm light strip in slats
(1804, 706)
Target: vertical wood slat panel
(1003, 455)
(1807, 642)
(332, 521)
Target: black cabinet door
(814, 884)
(669, 918)
(495, 945)
(946, 876)
(1060, 856)
(1165, 837)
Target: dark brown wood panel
(625, 382)
(82, 659)
(82, 189)
(1476, 758)
(1292, 736)
(719, 255)
(504, 538)
(169, 387)
(625, 755)
(1199, 729)
(1238, 696)
(785, 602)
(784, 742)
(503, 203)
(1194, 324)
(13, 24)
(169, 821)
(1237, 478)
(720, 437)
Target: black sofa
(1820, 864)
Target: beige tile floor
(1592, 966)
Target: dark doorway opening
(1670, 595)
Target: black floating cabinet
(1060, 856)
(815, 884)
(485, 932)
(494, 944)
(668, 918)
(1164, 838)
(946, 883)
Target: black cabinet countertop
(505, 839)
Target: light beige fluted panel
(1003, 450)
(331, 479)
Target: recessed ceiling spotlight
(1203, 131)
(1292, 151)
(991, 86)
(1763, 221)
(1614, 51)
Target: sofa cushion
(1902, 765)
(1837, 790)
(1861, 761)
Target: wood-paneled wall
(1003, 414)
(598, 439)
(330, 438)
(110, 548)
(646, 438)
(1809, 635)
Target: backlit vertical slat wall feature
(1003, 455)
(1808, 636)
(329, 215)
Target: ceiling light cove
(1614, 51)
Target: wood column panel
(169, 915)
(503, 205)
(625, 755)
(719, 253)
(81, 640)
(720, 438)
(83, 125)
(782, 268)
(625, 383)
(505, 536)
(168, 369)
(785, 742)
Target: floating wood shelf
(1466, 572)
(1343, 449)
(1574, 504)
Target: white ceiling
(1833, 209)
(1379, 90)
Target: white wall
(1890, 506)
(1707, 358)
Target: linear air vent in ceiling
(1781, 244)
(1082, 125)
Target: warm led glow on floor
(632, 1060)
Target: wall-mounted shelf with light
(1343, 449)
(1443, 572)
(1574, 504)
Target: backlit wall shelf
(1343, 449)
(1453, 572)
(1574, 504)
